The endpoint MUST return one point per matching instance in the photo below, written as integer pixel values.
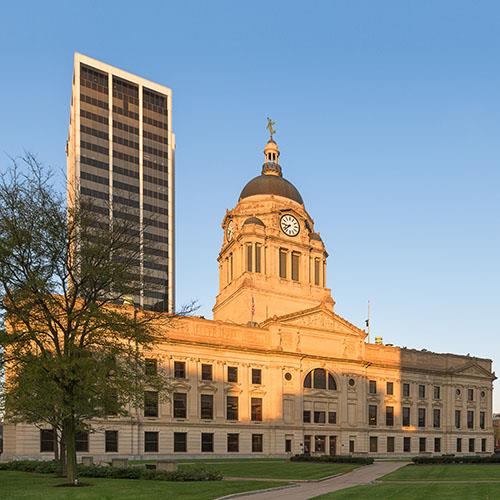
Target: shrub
(338, 459)
(453, 459)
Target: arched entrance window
(319, 378)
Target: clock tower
(272, 260)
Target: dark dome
(271, 184)
(254, 220)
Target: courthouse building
(278, 371)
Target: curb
(257, 492)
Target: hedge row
(46, 467)
(334, 459)
(452, 459)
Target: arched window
(320, 379)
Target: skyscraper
(120, 155)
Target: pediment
(472, 369)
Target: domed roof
(271, 184)
(254, 220)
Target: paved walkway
(303, 491)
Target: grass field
(28, 486)
(455, 472)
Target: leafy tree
(72, 351)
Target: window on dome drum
(407, 444)
(421, 417)
(258, 252)
(437, 445)
(232, 374)
(459, 445)
(150, 404)
(206, 372)
(421, 391)
(46, 440)
(256, 376)
(437, 392)
(482, 417)
(257, 443)
(389, 416)
(470, 419)
(207, 406)
(390, 444)
(372, 387)
(111, 441)
(436, 417)
(406, 416)
(256, 409)
(82, 441)
(207, 442)
(249, 253)
(316, 271)
(390, 388)
(179, 369)
(180, 405)
(458, 419)
(295, 266)
(232, 407)
(151, 442)
(372, 414)
(151, 367)
(282, 263)
(180, 442)
(233, 442)
(406, 390)
(320, 379)
(421, 445)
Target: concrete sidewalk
(303, 491)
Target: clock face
(289, 225)
(230, 231)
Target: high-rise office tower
(120, 155)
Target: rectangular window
(482, 416)
(470, 419)
(232, 374)
(390, 388)
(206, 372)
(249, 253)
(437, 392)
(406, 416)
(372, 414)
(390, 444)
(307, 444)
(295, 266)
(233, 443)
(207, 442)
(256, 376)
(470, 394)
(372, 387)
(180, 405)
(232, 407)
(283, 254)
(483, 445)
(459, 445)
(111, 441)
(319, 417)
(407, 444)
(180, 442)
(258, 252)
(421, 445)
(406, 390)
(332, 417)
(389, 416)
(421, 391)
(436, 413)
(82, 441)
(207, 406)
(373, 444)
(256, 409)
(316, 271)
(151, 367)
(46, 440)
(437, 445)
(151, 440)
(150, 404)
(319, 444)
(458, 419)
(288, 446)
(421, 417)
(257, 443)
(306, 417)
(472, 445)
(179, 369)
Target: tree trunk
(69, 439)
(56, 445)
(62, 454)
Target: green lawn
(283, 469)
(455, 472)
(413, 491)
(26, 485)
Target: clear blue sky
(388, 119)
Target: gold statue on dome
(270, 127)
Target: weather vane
(270, 127)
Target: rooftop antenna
(367, 321)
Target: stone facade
(279, 372)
